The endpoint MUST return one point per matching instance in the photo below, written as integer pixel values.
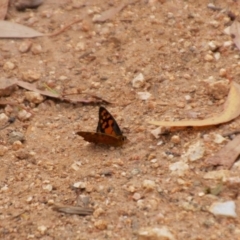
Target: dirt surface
(133, 187)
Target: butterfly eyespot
(108, 131)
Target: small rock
(213, 46)
(214, 23)
(196, 151)
(3, 119)
(8, 66)
(22, 154)
(149, 184)
(175, 139)
(17, 145)
(224, 209)
(136, 196)
(223, 72)
(34, 97)
(3, 150)
(179, 168)
(156, 132)
(76, 166)
(25, 46)
(101, 224)
(80, 46)
(15, 136)
(48, 187)
(81, 185)
(217, 55)
(217, 175)
(208, 58)
(155, 233)
(219, 90)
(219, 138)
(31, 76)
(29, 199)
(36, 49)
(42, 229)
(144, 95)
(138, 81)
(98, 212)
(24, 115)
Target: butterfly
(108, 131)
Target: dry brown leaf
(51, 93)
(227, 155)
(110, 13)
(230, 112)
(15, 30)
(73, 209)
(3, 8)
(235, 31)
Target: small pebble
(156, 132)
(17, 145)
(149, 184)
(155, 233)
(196, 151)
(15, 136)
(227, 209)
(48, 187)
(138, 81)
(8, 66)
(144, 95)
(42, 229)
(223, 72)
(34, 97)
(101, 224)
(30, 76)
(98, 212)
(217, 175)
(24, 115)
(3, 150)
(179, 168)
(25, 46)
(175, 139)
(214, 23)
(136, 196)
(208, 58)
(36, 49)
(81, 185)
(218, 138)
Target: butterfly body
(108, 131)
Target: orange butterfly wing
(108, 131)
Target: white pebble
(138, 81)
(144, 95)
(179, 168)
(224, 209)
(219, 138)
(156, 132)
(149, 184)
(155, 233)
(196, 151)
(42, 229)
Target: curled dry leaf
(227, 155)
(73, 209)
(15, 30)
(230, 112)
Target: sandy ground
(168, 44)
